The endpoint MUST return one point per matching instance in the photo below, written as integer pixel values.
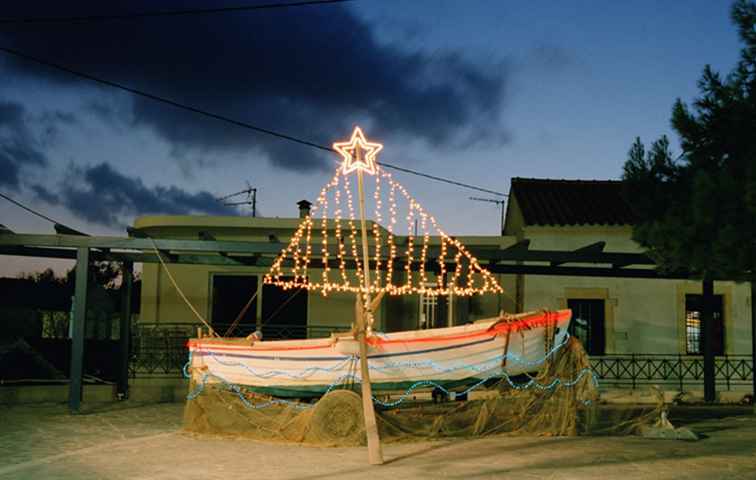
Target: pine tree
(697, 212)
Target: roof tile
(572, 202)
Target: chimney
(304, 208)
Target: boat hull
(449, 357)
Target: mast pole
(364, 324)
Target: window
(587, 324)
(434, 312)
(428, 310)
(694, 329)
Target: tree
(105, 274)
(698, 212)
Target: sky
(478, 91)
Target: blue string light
(478, 368)
(241, 394)
(532, 383)
(282, 373)
(496, 360)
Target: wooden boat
(449, 357)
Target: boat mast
(364, 326)
(359, 155)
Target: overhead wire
(30, 210)
(166, 13)
(239, 123)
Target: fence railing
(160, 348)
(678, 371)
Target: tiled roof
(571, 202)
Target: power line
(441, 179)
(166, 13)
(232, 121)
(41, 215)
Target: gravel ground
(144, 441)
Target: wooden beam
(707, 331)
(135, 232)
(79, 319)
(589, 250)
(585, 271)
(127, 274)
(64, 230)
(122, 243)
(517, 252)
(167, 256)
(753, 342)
(521, 246)
(207, 236)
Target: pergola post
(753, 341)
(79, 319)
(707, 322)
(125, 330)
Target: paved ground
(132, 441)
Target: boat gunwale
(498, 325)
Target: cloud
(101, 195)
(309, 72)
(44, 194)
(19, 148)
(552, 57)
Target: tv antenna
(500, 202)
(251, 199)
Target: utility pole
(501, 204)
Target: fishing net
(560, 400)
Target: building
(616, 315)
(636, 330)
(221, 293)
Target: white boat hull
(449, 357)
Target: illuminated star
(358, 153)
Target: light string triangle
(410, 255)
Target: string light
(468, 278)
(351, 377)
(352, 151)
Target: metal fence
(159, 349)
(674, 371)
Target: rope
(175, 285)
(277, 310)
(241, 314)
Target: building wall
(641, 315)
(161, 303)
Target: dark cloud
(44, 194)
(104, 196)
(310, 72)
(19, 147)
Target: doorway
(284, 312)
(230, 295)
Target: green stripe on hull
(308, 391)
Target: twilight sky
(478, 91)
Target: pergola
(206, 250)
